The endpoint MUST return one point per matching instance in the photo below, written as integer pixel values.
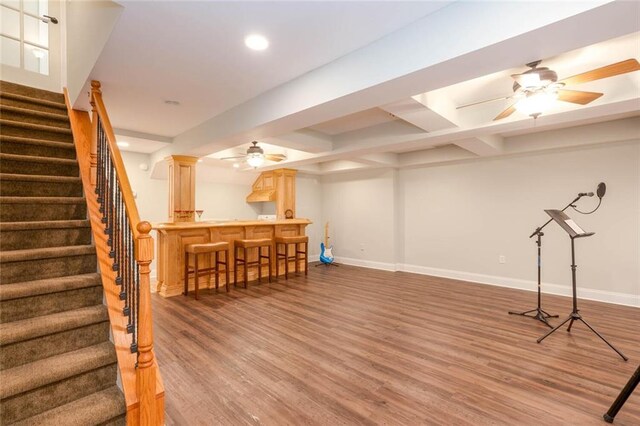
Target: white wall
(456, 220)
(360, 210)
(95, 18)
(462, 217)
(309, 206)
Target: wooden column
(146, 371)
(285, 183)
(182, 187)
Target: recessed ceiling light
(256, 42)
(236, 165)
(170, 102)
(123, 144)
(200, 160)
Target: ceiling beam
(419, 141)
(306, 140)
(384, 159)
(443, 107)
(350, 84)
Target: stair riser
(38, 168)
(39, 238)
(12, 272)
(45, 304)
(26, 117)
(11, 147)
(19, 103)
(43, 347)
(34, 211)
(10, 130)
(56, 394)
(26, 188)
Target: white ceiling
(370, 107)
(194, 53)
(356, 121)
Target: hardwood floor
(359, 346)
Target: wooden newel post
(95, 91)
(146, 372)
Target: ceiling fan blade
(485, 101)
(618, 68)
(275, 157)
(233, 158)
(577, 97)
(507, 112)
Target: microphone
(585, 194)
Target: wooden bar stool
(208, 249)
(285, 242)
(243, 246)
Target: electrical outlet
(502, 259)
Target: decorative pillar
(285, 183)
(182, 188)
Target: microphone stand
(538, 313)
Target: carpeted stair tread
(31, 328)
(42, 200)
(44, 224)
(99, 408)
(39, 178)
(47, 286)
(45, 253)
(37, 145)
(54, 369)
(37, 95)
(36, 159)
(36, 127)
(34, 116)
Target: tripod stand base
(575, 316)
(539, 315)
(326, 264)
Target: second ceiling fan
(538, 88)
(255, 156)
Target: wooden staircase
(57, 364)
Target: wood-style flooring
(350, 345)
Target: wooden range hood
(277, 186)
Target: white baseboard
(367, 263)
(528, 285)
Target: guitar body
(326, 251)
(326, 256)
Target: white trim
(367, 264)
(528, 285)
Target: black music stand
(625, 393)
(574, 232)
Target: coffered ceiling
(363, 85)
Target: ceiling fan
(255, 156)
(538, 88)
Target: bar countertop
(167, 226)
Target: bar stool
(208, 249)
(286, 241)
(243, 246)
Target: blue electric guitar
(326, 251)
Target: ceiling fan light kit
(538, 89)
(255, 156)
(537, 102)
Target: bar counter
(173, 237)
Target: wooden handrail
(98, 110)
(141, 382)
